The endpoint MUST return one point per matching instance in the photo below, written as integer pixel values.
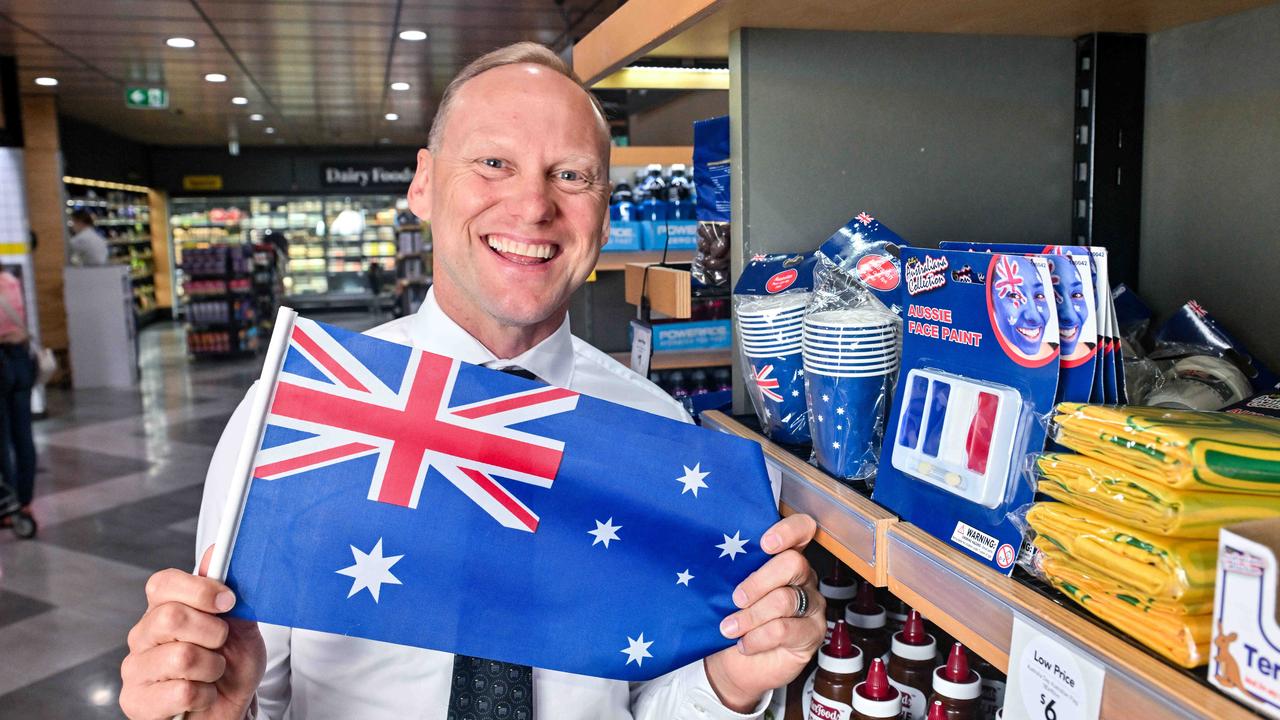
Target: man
(515, 185)
(87, 246)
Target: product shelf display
(328, 244)
(123, 218)
(972, 603)
(222, 310)
(413, 263)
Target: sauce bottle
(911, 663)
(956, 688)
(937, 711)
(895, 611)
(866, 620)
(839, 670)
(875, 698)
(993, 680)
(838, 588)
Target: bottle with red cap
(838, 588)
(839, 670)
(956, 687)
(895, 610)
(911, 664)
(866, 620)
(875, 698)
(937, 711)
(993, 681)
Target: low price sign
(146, 98)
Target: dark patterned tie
(490, 689)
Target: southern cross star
(692, 479)
(733, 546)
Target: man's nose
(531, 200)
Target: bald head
(539, 62)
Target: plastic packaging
(1201, 382)
(769, 303)
(1208, 451)
(711, 172)
(1177, 629)
(852, 345)
(1091, 484)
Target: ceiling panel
(316, 69)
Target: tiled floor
(118, 491)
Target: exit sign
(146, 98)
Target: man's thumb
(204, 562)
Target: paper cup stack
(770, 332)
(849, 357)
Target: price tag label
(1048, 679)
(641, 347)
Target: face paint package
(769, 303)
(850, 346)
(1075, 295)
(979, 370)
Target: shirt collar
(434, 331)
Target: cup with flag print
(849, 361)
(769, 331)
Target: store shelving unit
(413, 265)
(971, 602)
(122, 214)
(223, 301)
(795, 102)
(681, 360)
(617, 261)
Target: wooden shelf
(701, 28)
(615, 261)
(681, 360)
(638, 155)
(972, 602)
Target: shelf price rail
(973, 603)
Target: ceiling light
(239, 100)
(180, 42)
(215, 77)
(392, 116)
(413, 35)
(270, 131)
(381, 141)
(46, 81)
(256, 117)
(401, 86)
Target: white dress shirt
(318, 675)
(88, 248)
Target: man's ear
(420, 189)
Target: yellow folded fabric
(1053, 562)
(1211, 451)
(1167, 628)
(1092, 484)
(1165, 568)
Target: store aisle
(117, 495)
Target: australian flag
(407, 497)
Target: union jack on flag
(864, 218)
(351, 412)
(396, 492)
(1008, 279)
(768, 384)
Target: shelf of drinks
(972, 602)
(615, 261)
(681, 360)
(702, 28)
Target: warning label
(975, 541)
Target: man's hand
(184, 658)
(774, 646)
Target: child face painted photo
(1019, 305)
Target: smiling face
(1073, 310)
(1019, 303)
(517, 193)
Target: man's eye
(572, 177)
(494, 163)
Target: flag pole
(243, 472)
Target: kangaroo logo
(1228, 675)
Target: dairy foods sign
(366, 175)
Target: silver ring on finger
(802, 601)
